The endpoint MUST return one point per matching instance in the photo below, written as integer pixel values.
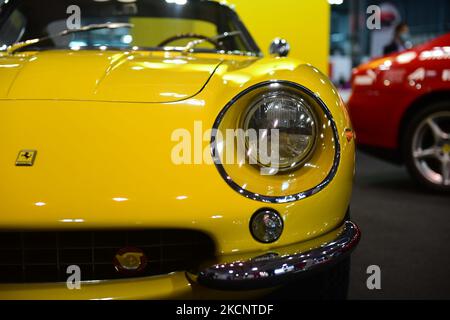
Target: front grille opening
(33, 257)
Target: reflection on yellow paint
(8, 65)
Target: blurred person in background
(400, 42)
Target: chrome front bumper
(272, 270)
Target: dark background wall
(349, 35)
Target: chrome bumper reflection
(272, 270)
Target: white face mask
(405, 37)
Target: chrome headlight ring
(277, 199)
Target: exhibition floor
(406, 232)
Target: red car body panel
(384, 89)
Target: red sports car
(400, 108)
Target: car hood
(153, 77)
(118, 165)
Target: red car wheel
(427, 146)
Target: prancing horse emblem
(130, 260)
(26, 158)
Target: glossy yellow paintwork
(103, 128)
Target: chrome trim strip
(271, 270)
(283, 199)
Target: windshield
(153, 25)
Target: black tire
(407, 144)
(330, 284)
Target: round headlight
(295, 122)
(266, 226)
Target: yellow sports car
(150, 151)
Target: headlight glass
(295, 122)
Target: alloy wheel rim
(431, 148)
